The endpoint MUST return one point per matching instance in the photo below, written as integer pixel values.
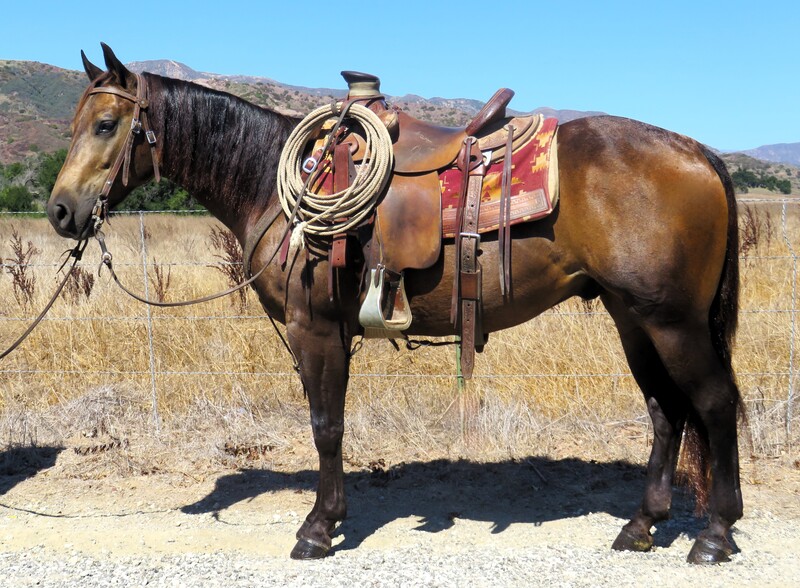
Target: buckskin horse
(646, 221)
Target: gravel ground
(541, 522)
(539, 566)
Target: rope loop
(328, 215)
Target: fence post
(790, 394)
(154, 394)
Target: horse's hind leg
(667, 407)
(689, 356)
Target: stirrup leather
(385, 311)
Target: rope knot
(298, 238)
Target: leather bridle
(139, 123)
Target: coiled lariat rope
(327, 215)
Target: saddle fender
(408, 222)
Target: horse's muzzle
(68, 220)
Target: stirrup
(385, 311)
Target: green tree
(49, 166)
(16, 199)
(12, 170)
(165, 195)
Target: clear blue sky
(725, 73)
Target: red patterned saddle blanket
(534, 184)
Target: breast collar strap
(139, 123)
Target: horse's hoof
(709, 550)
(628, 541)
(309, 549)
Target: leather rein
(140, 123)
(100, 213)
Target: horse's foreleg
(667, 408)
(323, 356)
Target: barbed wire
(154, 373)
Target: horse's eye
(105, 127)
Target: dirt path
(506, 523)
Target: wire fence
(771, 239)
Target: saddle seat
(422, 147)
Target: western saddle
(408, 229)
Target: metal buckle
(151, 137)
(136, 126)
(475, 236)
(310, 164)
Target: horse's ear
(92, 70)
(125, 78)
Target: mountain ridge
(37, 102)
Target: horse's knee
(327, 433)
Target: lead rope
(107, 260)
(100, 211)
(76, 253)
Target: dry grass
(220, 375)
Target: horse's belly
(537, 285)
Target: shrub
(16, 199)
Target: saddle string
(76, 254)
(504, 230)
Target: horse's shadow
(18, 463)
(534, 490)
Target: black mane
(223, 149)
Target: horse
(646, 222)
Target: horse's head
(111, 151)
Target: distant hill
(37, 102)
(299, 100)
(779, 153)
(782, 171)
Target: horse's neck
(222, 150)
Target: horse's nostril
(61, 211)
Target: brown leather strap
(504, 231)
(76, 254)
(343, 173)
(284, 256)
(468, 268)
(139, 122)
(470, 162)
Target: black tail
(724, 314)
(723, 320)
